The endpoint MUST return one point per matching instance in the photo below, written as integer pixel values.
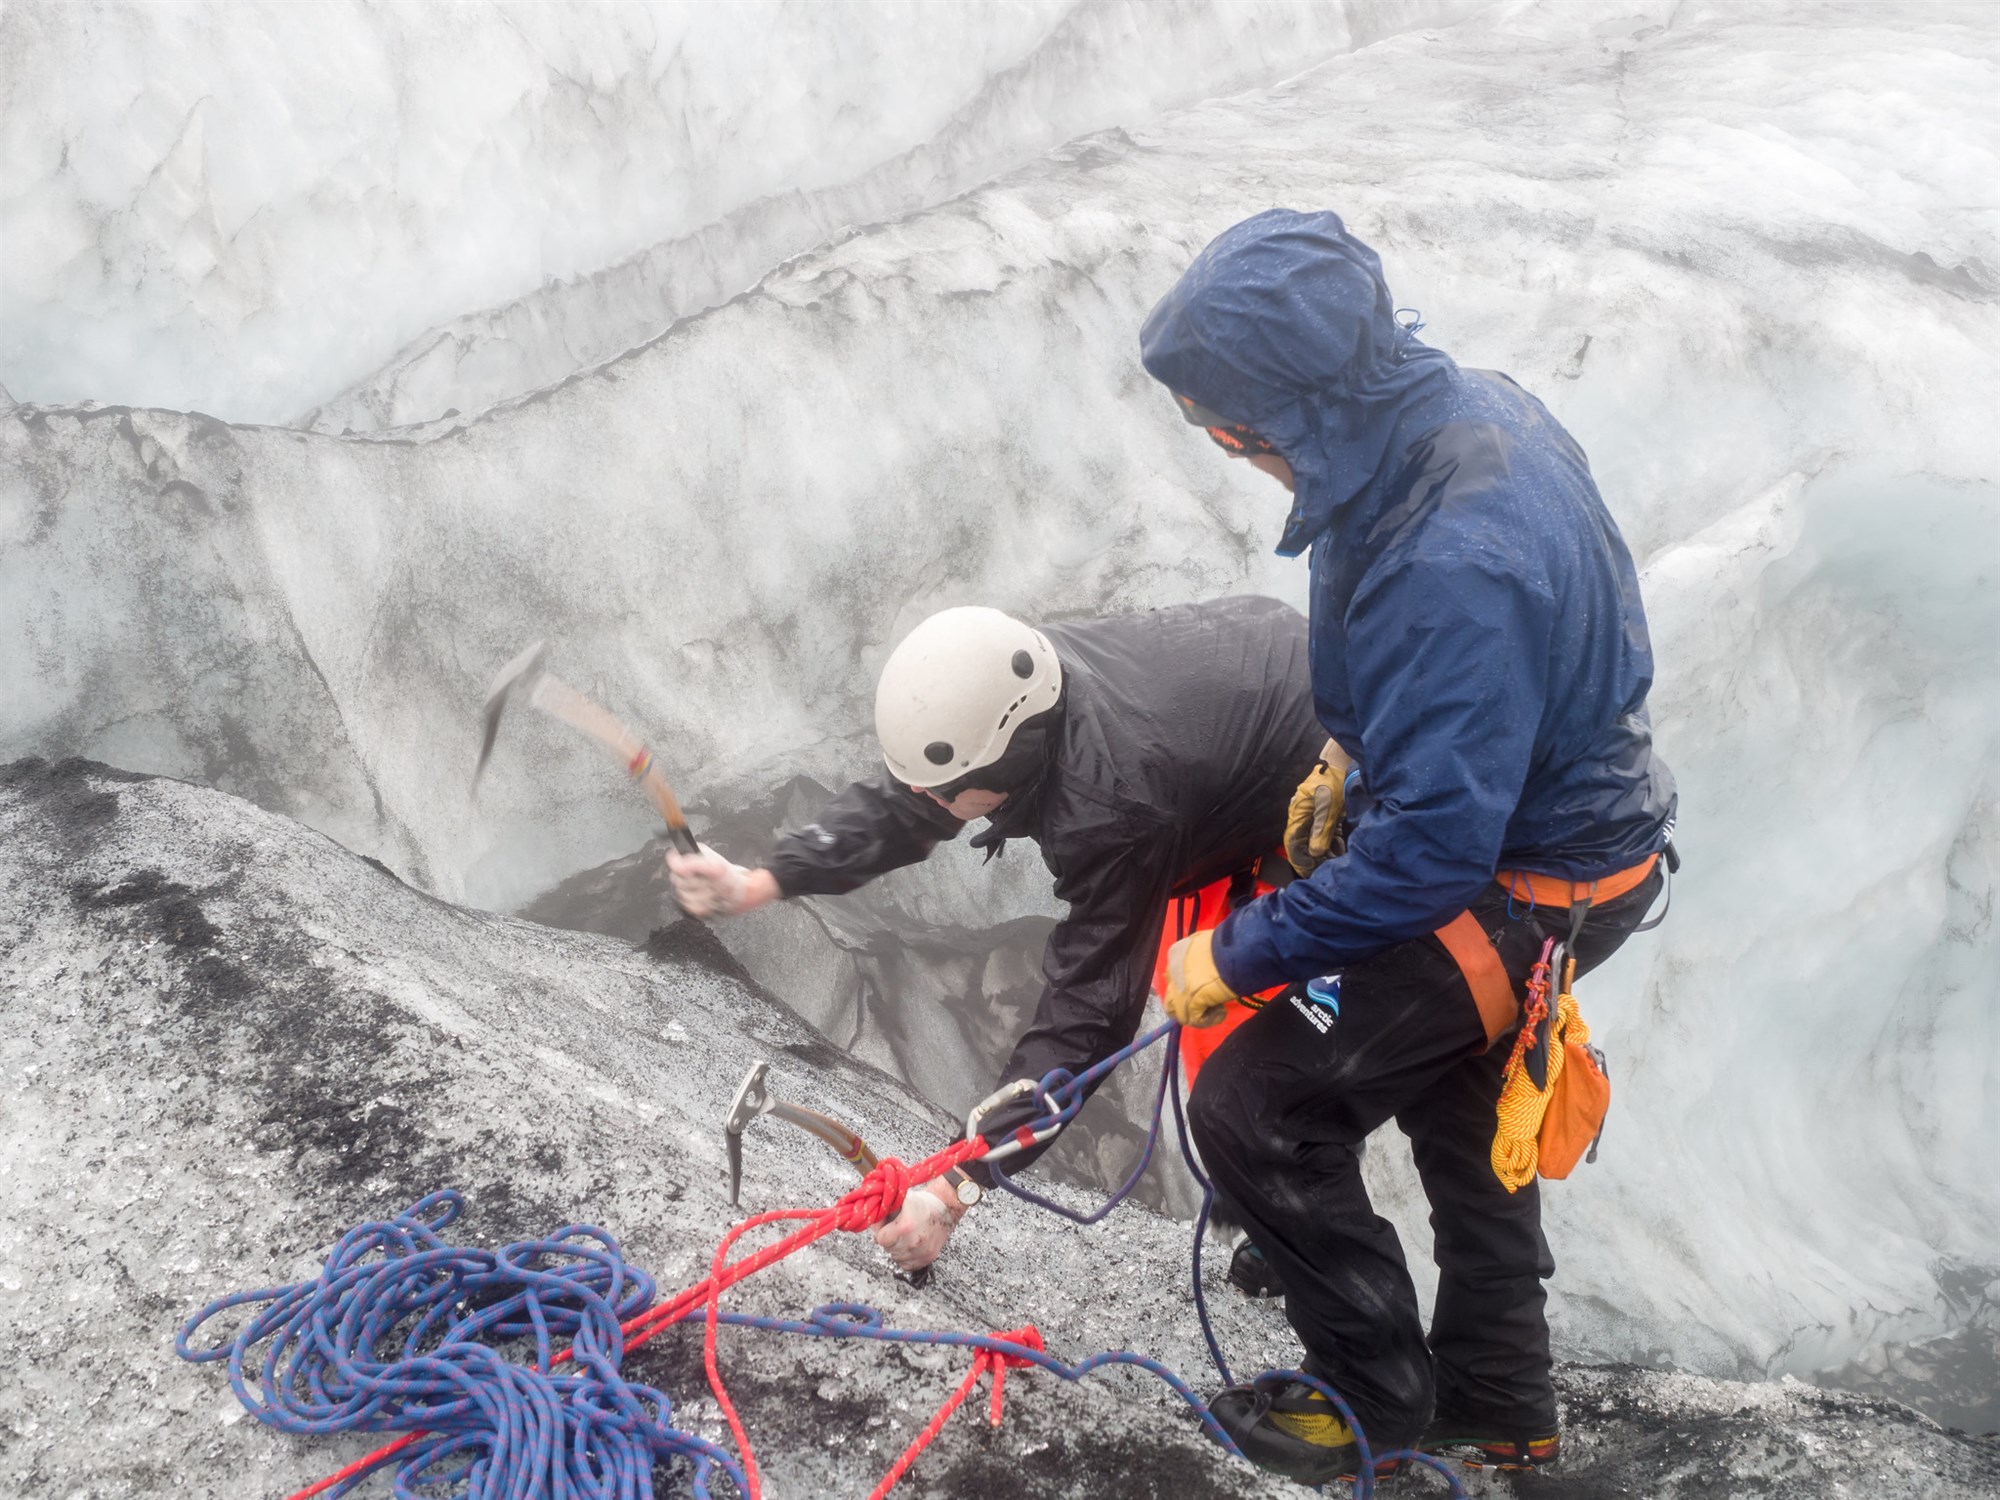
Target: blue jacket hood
(1284, 323)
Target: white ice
(384, 212)
(1746, 252)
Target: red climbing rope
(877, 1199)
(1028, 1336)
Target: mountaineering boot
(1286, 1426)
(1505, 1446)
(1253, 1275)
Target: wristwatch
(964, 1188)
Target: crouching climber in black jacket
(1150, 756)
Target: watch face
(968, 1191)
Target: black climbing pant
(1280, 1113)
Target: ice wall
(1747, 253)
(245, 209)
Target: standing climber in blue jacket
(1480, 662)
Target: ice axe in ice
(527, 679)
(755, 1098)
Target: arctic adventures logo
(1319, 1002)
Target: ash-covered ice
(227, 1039)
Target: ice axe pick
(755, 1098)
(527, 678)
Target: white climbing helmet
(953, 693)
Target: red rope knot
(878, 1199)
(1028, 1337)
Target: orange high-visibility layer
(1550, 890)
(1187, 915)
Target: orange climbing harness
(1552, 890)
(1492, 991)
(1554, 1092)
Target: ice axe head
(751, 1101)
(519, 676)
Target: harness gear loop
(1522, 1103)
(1554, 1092)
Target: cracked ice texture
(246, 209)
(1747, 256)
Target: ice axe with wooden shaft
(527, 679)
(755, 1098)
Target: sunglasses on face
(1233, 438)
(1240, 442)
(949, 791)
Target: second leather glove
(1195, 994)
(1312, 822)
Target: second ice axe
(527, 679)
(755, 1098)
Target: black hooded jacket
(1179, 739)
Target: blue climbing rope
(390, 1337)
(857, 1320)
(1201, 1219)
(1068, 1094)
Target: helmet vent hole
(1024, 664)
(938, 753)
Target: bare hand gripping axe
(755, 1098)
(528, 678)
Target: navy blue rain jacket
(1478, 643)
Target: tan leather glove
(1196, 995)
(1313, 819)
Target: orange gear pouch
(1542, 1129)
(1577, 1106)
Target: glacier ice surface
(384, 212)
(1747, 254)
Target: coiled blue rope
(518, 1432)
(387, 1338)
(391, 1337)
